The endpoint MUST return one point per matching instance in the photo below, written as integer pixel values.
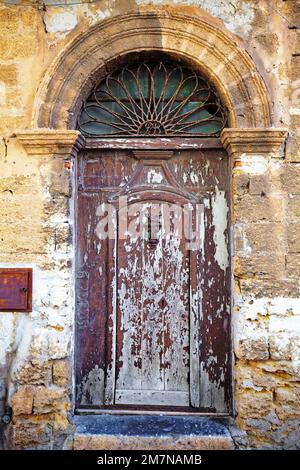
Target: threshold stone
(132, 432)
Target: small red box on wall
(15, 289)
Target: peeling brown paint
(143, 328)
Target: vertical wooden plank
(111, 327)
(196, 276)
(90, 303)
(206, 174)
(99, 174)
(176, 294)
(214, 327)
(152, 316)
(129, 304)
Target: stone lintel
(254, 141)
(65, 143)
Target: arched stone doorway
(214, 52)
(203, 45)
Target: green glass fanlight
(153, 98)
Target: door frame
(157, 144)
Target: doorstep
(142, 432)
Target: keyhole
(152, 241)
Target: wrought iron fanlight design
(153, 99)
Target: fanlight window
(153, 99)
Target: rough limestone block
(254, 404)
(254, 347)
(291, 179)
(61, 372)
(294, 237)
(265, 236)
(22, 402)
(30, 435)
(49, 400)
(287, 402)
(259, 208)
(293, 265)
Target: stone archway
(200, 41)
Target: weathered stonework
(49, 60)
(266, 329)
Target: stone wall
(36, 221)
(266, 321)
(36, 348)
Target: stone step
(146, 432)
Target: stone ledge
(111, 432)
(51, 142)
(254, 141)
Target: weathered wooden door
(153, 323)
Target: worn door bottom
(148, 412)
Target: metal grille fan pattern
(153, 99)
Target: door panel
(153, 314)
(153, 323)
